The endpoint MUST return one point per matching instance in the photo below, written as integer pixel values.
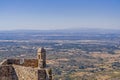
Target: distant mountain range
(84, 30)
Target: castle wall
(42, 74)
(26, 73)
(30, 63)
(4, 62)
(16, 72)
(26, 69)
(8, 73)
(22, 62)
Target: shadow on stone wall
(8, 73)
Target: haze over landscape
(59, 14)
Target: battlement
(22, 62)
(26, 69)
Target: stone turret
(41, 56)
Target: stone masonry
(26, 69)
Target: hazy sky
(59, 14)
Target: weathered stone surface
(16, 72)
(26, 73)
(25, 62)
(30, 63)
(41, 56)
(8, 73)
(42, 74)
(26, 69)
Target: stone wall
(42, 74)
(22, 69)
(4, 62)
(30, 63)
(22, 62)
(25, 73)
(16, 72)
(8, 73)
(26, 69)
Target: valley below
(72, 56)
